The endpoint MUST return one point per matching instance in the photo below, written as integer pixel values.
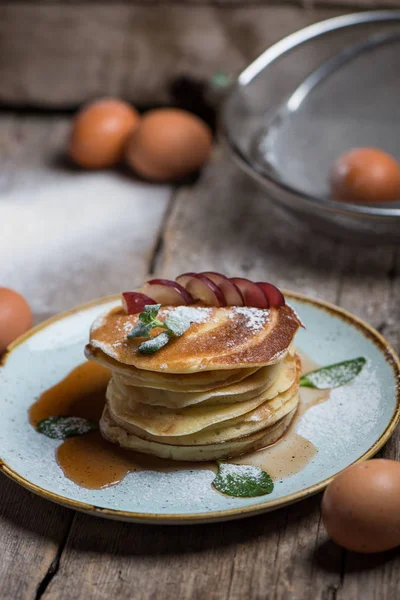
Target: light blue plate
(352, 425)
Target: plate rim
(367, 330)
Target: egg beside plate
(361, 509)
(15, 317)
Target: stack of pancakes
(227, 386)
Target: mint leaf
(149, 314)
(60, 428)
(242, 481)
(154, 344)
(333, 376)
(177, 323)
(140, 330)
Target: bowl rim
(268, 57)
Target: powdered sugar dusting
(279, 355)
(232, 470)
(195, 314)
(123, 331)
(60, 427)
(256, 318)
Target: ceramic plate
(351, 426)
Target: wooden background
(60, 54)
(227, 3)
(53, 57)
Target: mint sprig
(175, 325)
(333, 376)
(148, 316)
(140, 330)
(242, 481)
(154, 344)
(61, 427)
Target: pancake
(277, 377)
(116, 434)
(227, 425)
(125, 405)
(159, 420)
(174, 382)
(219, 338)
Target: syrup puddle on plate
(92, 462)
(89, 460)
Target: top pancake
(220, 339)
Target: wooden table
(221, 222)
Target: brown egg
(100, 131)
(169, 143)
(364, 176)
(361, 507)
(15, 317)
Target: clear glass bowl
(327, 88)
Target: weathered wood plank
(68, 236)
(371, 576)
(226, 3)
(367, 285)
(32, 531)
(236, 560)
(135, 52)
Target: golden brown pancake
(276, 378)
(115, 433)
(202, 426)
(228, 425)
(161, 421)
(223, 338)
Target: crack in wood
(343, 562)
(55, 563)
(216, 3)
(158, 249)
(35, 110)
(231, 573)
(392, 272)
(331, 592)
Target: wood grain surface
(227, 3)
(221, 222)
(134, 52)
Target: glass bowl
(319, 92)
